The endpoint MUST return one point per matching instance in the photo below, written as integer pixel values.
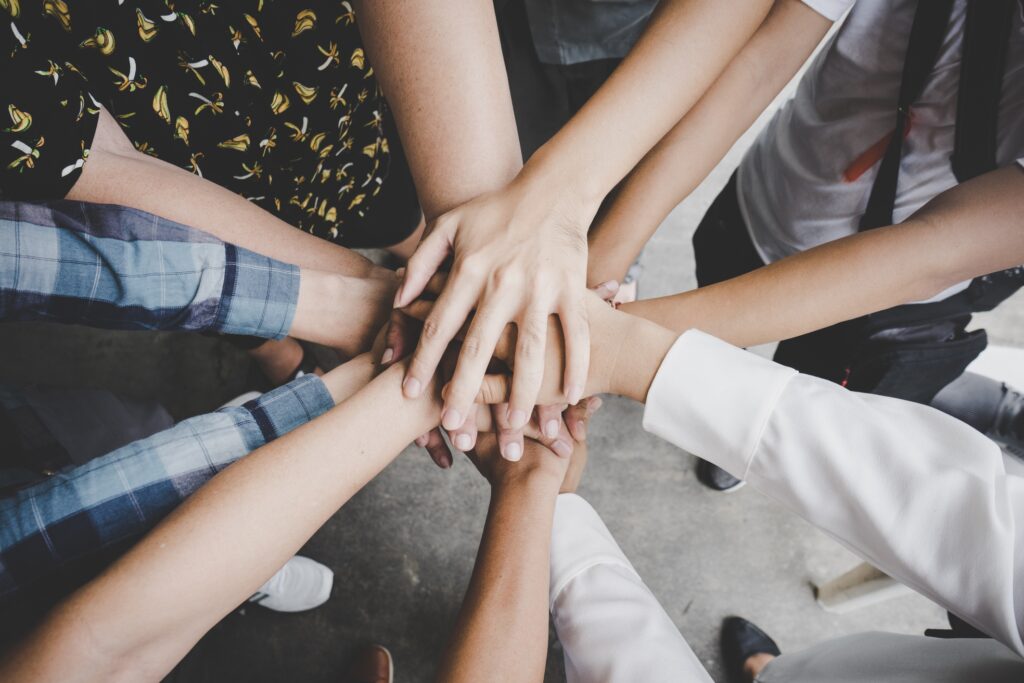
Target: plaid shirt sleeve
(54, 531)
(115, 267)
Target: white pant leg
(611, 626)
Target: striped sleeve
(115, 267)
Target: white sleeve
(832, 10)
(917, 493)
(611, 626)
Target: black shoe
(1008, 427)
(741, 640)
(714, 477)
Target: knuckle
(471, 347)
(431, 329)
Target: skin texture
(969, 230)
(507, 598)
(684, 157)
(520, 252)
(428, 55)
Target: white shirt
(791, 186)
(917, 493)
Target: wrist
(532, 480)
(639, 348)
(554, 172)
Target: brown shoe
(370, 664)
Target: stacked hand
(519, 256)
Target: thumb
(422, 265)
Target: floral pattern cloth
(271, 99)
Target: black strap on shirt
(931, 21)
(986, 36)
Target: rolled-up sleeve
(115, 267)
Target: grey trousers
(892, 658)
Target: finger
(421, 440)
(607, 290)
(474, 356)
(449, 313)
(495, 389)
(549, 418)
(576, 331)
(394, 338)
(436, 284)
(510, 441)
(577, 417)
(557, 439)
(464, 437)
(528, 368)
(428, 257)
(438, 449)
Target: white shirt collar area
(713, 399)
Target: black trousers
(908, 352)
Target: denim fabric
(110, 266)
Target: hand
(538, 460)
(519, 256)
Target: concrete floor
(403, 549)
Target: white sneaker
(300, 585)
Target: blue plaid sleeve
(115, 267)
(64, 523)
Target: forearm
(223, 542)
(970, 230)
(117, 174)
(440, 65)
(502, 630)
(684, 157)
(687, 44)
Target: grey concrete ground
(403, 548)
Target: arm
(970, 230)
(506, 599)
(428, 56)
(920, 495)
(520, 253)
(591, 578)
(126, 626)
(684, 157)
(117, 173)
(115, 267)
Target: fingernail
(463, 442)
(562, 448)
(512, 451)
(517, 419)
(611, 285)
(412, 387)
(451, 420)
(551, 429)
(387, 356)
(573, 394)
(581, 427)
(594, 405)
(398, 297)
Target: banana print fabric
(271, 99)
